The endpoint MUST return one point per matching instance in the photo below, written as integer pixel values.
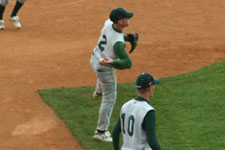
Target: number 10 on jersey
(128, 127)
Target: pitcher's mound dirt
(54, 46)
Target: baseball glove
(133, 39)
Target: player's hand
(106, 61)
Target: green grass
(190, 110)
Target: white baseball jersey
(132, 116)
(106, 83)
(109, 36)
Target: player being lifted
(13, 17)
(111, 47)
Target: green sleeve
(150, 128)
(124, 61)
(116, 135)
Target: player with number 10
(137, 119)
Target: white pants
(5, 2)
(106, 84)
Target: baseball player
(13, 17)
(137, 119)
(108, 55)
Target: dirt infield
(55, 44)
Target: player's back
(131, 116)
(109, 36)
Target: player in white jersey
(13, 17)
(111, 48)
(137, 119)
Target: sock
(2, 9)
(16, 8)
(100, 131)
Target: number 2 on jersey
(130, 126)
(102, 42)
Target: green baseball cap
(145, 80)
(119, 13)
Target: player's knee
(4, 3)
(22, 1)
(109, 100)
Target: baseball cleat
(15, 21)
(104, 137)
(2, 26)
(96, 95)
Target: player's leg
(13, 17)
(109, 85)
(19, 4)
(106, 108)
(94, 64)
(2, 25)
(3, 4)
(98, 90)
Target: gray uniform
(106, 82)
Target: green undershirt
(148, 125)
(123, 61)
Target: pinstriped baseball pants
(107, 85)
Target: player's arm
(150, 128)
(116, 135)
(124, 61)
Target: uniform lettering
(130, 126)
(102, 42)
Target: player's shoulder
(107, 28)
(145, 105)
(108, 22)
(127, 103)
(149, 107)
